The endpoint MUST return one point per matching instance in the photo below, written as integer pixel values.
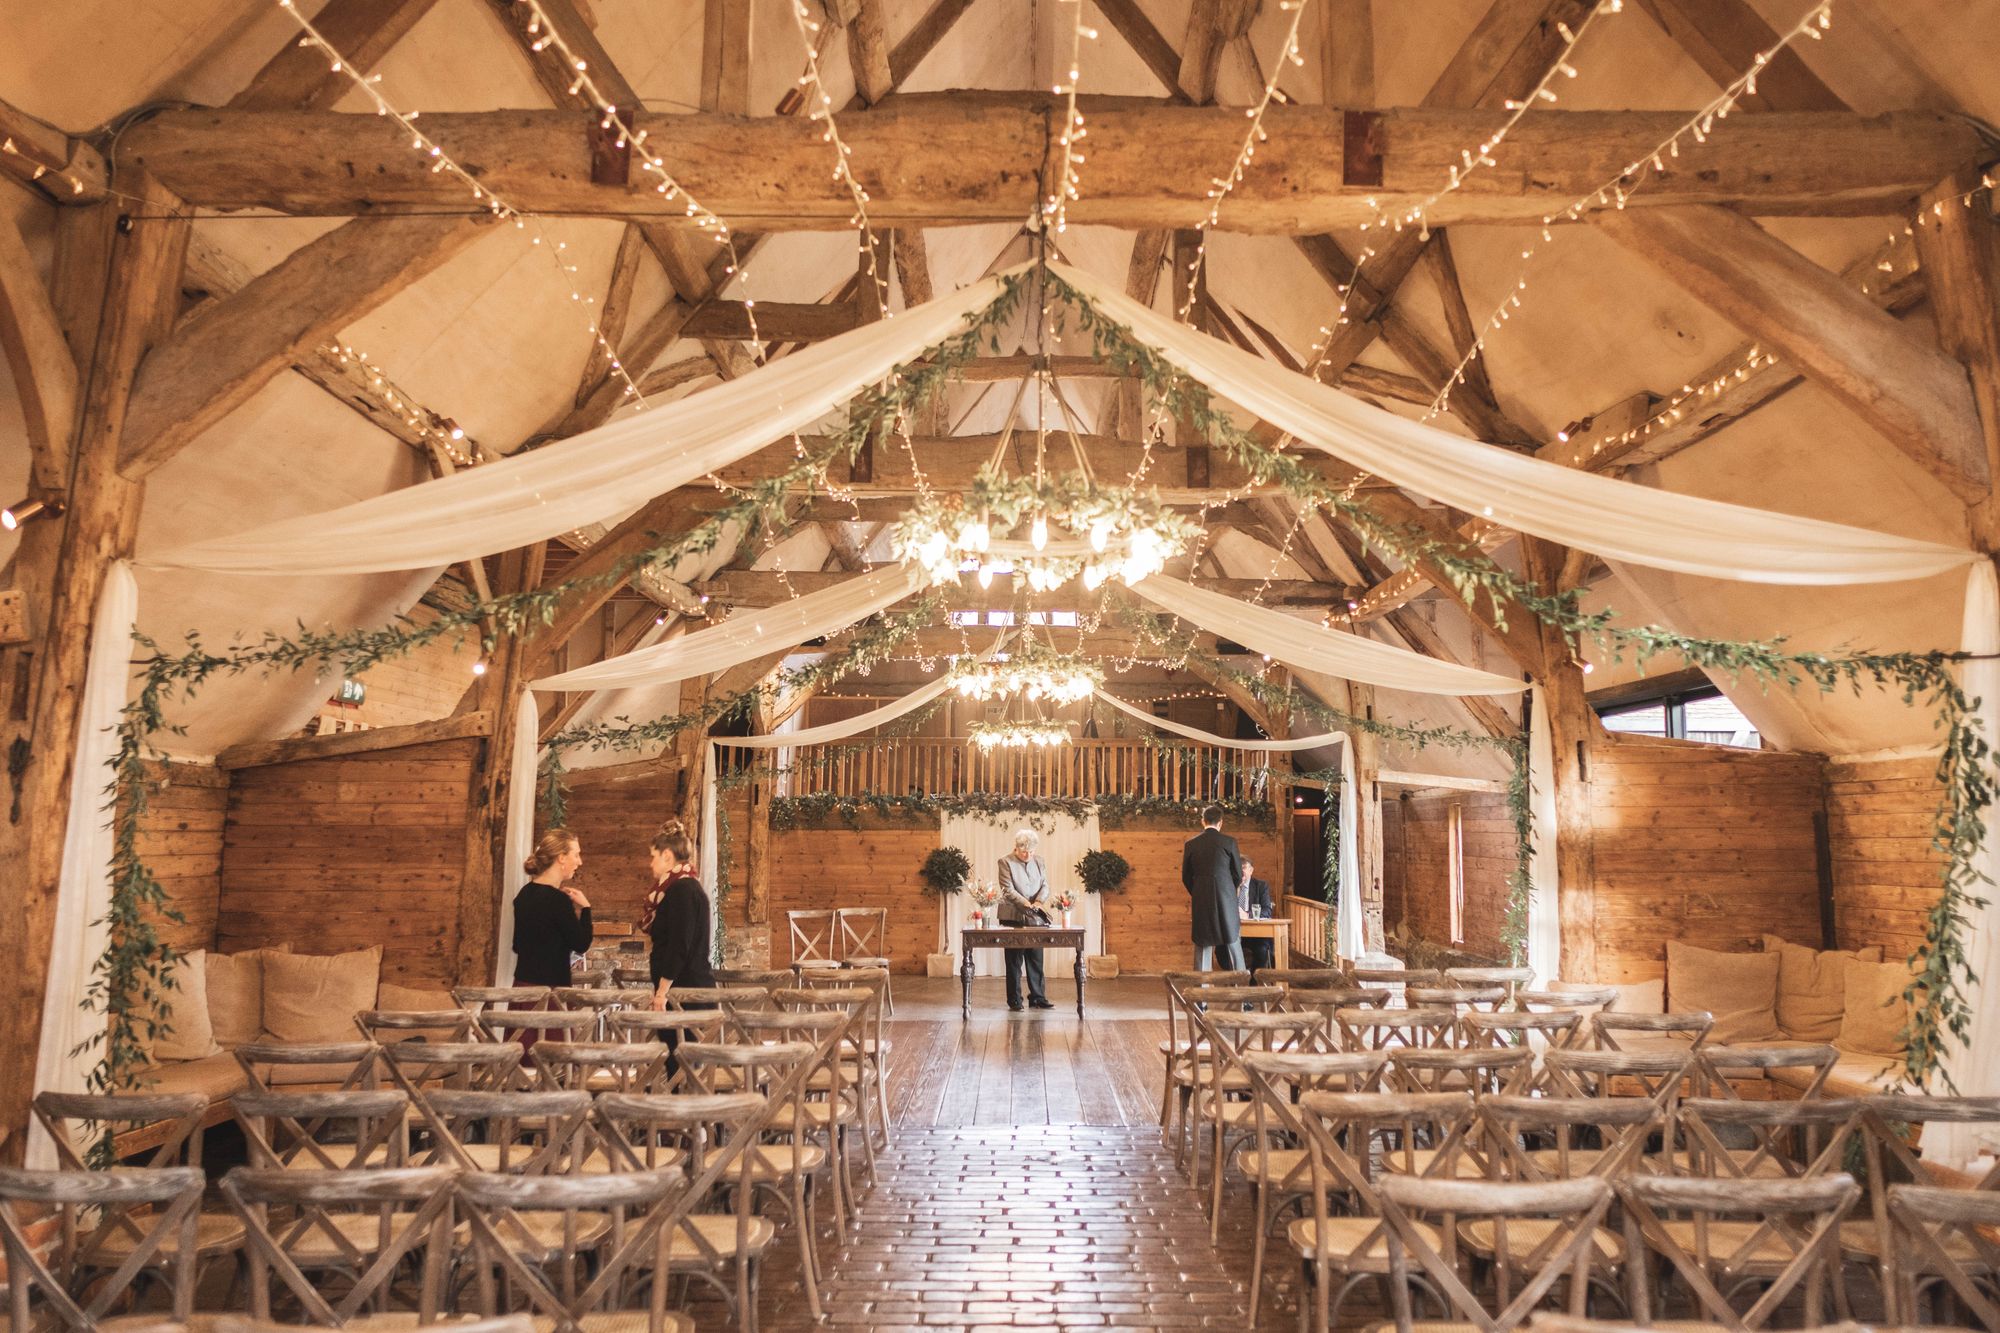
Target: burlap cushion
(183, 1010)
(1875, 1015)
(1740, 989)
(314, 997)
(416, 1000)
(235, 983)
(1812, 987)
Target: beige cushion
(1740, 989)
(1812, 987)
(392, 998)
(314, 997)
(1875, 1015)
(215, 1077)
(235, 983)
(183, 1010)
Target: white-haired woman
(1023, 879)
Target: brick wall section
(180, 840)
(341, 853)
(1700, 843)
(1886, 875)
(1416, 866)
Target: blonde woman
(551, 919)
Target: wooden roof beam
(1916, 396)
(66, 170)
(297, 78)
(45, 375)
(1211, 26)
(975, 157)
(1725, 37)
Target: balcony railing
(952, 766)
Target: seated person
(1253, 899)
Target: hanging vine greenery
(128, 977)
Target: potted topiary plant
(944, 872)
(1103, 872)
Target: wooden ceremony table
(1016, 937)
(1276, 929)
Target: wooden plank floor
(1034, 1068)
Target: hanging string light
(1034, 671)
(442, 163)
(1055, 206)
(1037, 732)
(427, 425)
(1219, 187)
(820, 102)
(1616, 191)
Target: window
(1702, 714)
(1454, 833)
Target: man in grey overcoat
(1211, 869)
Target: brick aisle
(1071, 1226)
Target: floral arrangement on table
(1061, 905)
(984, 896)
(945, 870)
(1102, 871)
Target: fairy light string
(820, 110)
(1055, 206)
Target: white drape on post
(598, 476)
(1606, 516)
(1301, 643)
(1975, 1066)
(1347, 892)
(986, 838)
(1544, 897)
(83, 895)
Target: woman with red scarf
(677, 916)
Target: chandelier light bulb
(1100, 534)
(1039, 534)
(986, 576)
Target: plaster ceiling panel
(1414, 43)
(460, 56)
(991, 46)
(1110, 66)
(658, 49)
(78, 65)
(1885, 55)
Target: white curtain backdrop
(598, 476)
(1347, 895)
(83, 900)
(1975, 1067)
(1544, 908)
(1303, 644)
(1615, 519)
(985, 839)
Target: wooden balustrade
(953, 766)
(1308, 917)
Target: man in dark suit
(1253, 899)
(1211, 870)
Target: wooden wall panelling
(180, 840)
(1416, 866)
(1881, 816)
(344, 852)
(1700, 843)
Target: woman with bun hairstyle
(676, 915)
(551, 919)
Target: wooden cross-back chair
(547, 1024)
(1587, 1000)
(1480, 1070)
(642, 1025)
(1396, 976)
(1305, 978)
(1788, 1140)
(347, 1066)
(435, 1025)
(601, 1066)
(1947, 1239)
(1632, 1032)
(715, 1135)
(572, 1290)
(865, 1045)
(1341, 1130)
(325, 1131)
(1780, 1235)
(1719, 1068)
(599, 1000)
(150, 1216)
(1183, 1049)
(754, 976)
(1532, 1029)
(512, 1132)
(1363, 1029)
(479, 1066)
(308, 1228)
(1548, 1233)
(1890, 1124)
(239, 1323)
(1459, 999)
(1658, 1076)
(71, 1118)
(1233, 1111)
(1587, 1136)
(1276, 1159)
(815, 937)
(833, 1105)
(478, 999)
(864, 942)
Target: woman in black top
(677, 916)
(551, 920)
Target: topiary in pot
(945, 871)
(1103, 872)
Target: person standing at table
(1211, 872)
(1253, 903)
(551, 919)
(1023, 880)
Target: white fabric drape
(986, 838)
(83, 896)
(1603, 515)
(594, 477)
(1301, 643)
(747, 634)
(1975, 1067)
(520, 836)
(1347, 893)
(1544, 897)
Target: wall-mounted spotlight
(14, 515)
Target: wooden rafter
(867, 48)
(1347, 53)
(67, 170)
(726, 34)
(1725, 37)
(297, 77)
(978, 158)
(45, 378)
(1211, 26)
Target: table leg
(965, 983)
(1079, 981)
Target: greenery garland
(136, 964)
